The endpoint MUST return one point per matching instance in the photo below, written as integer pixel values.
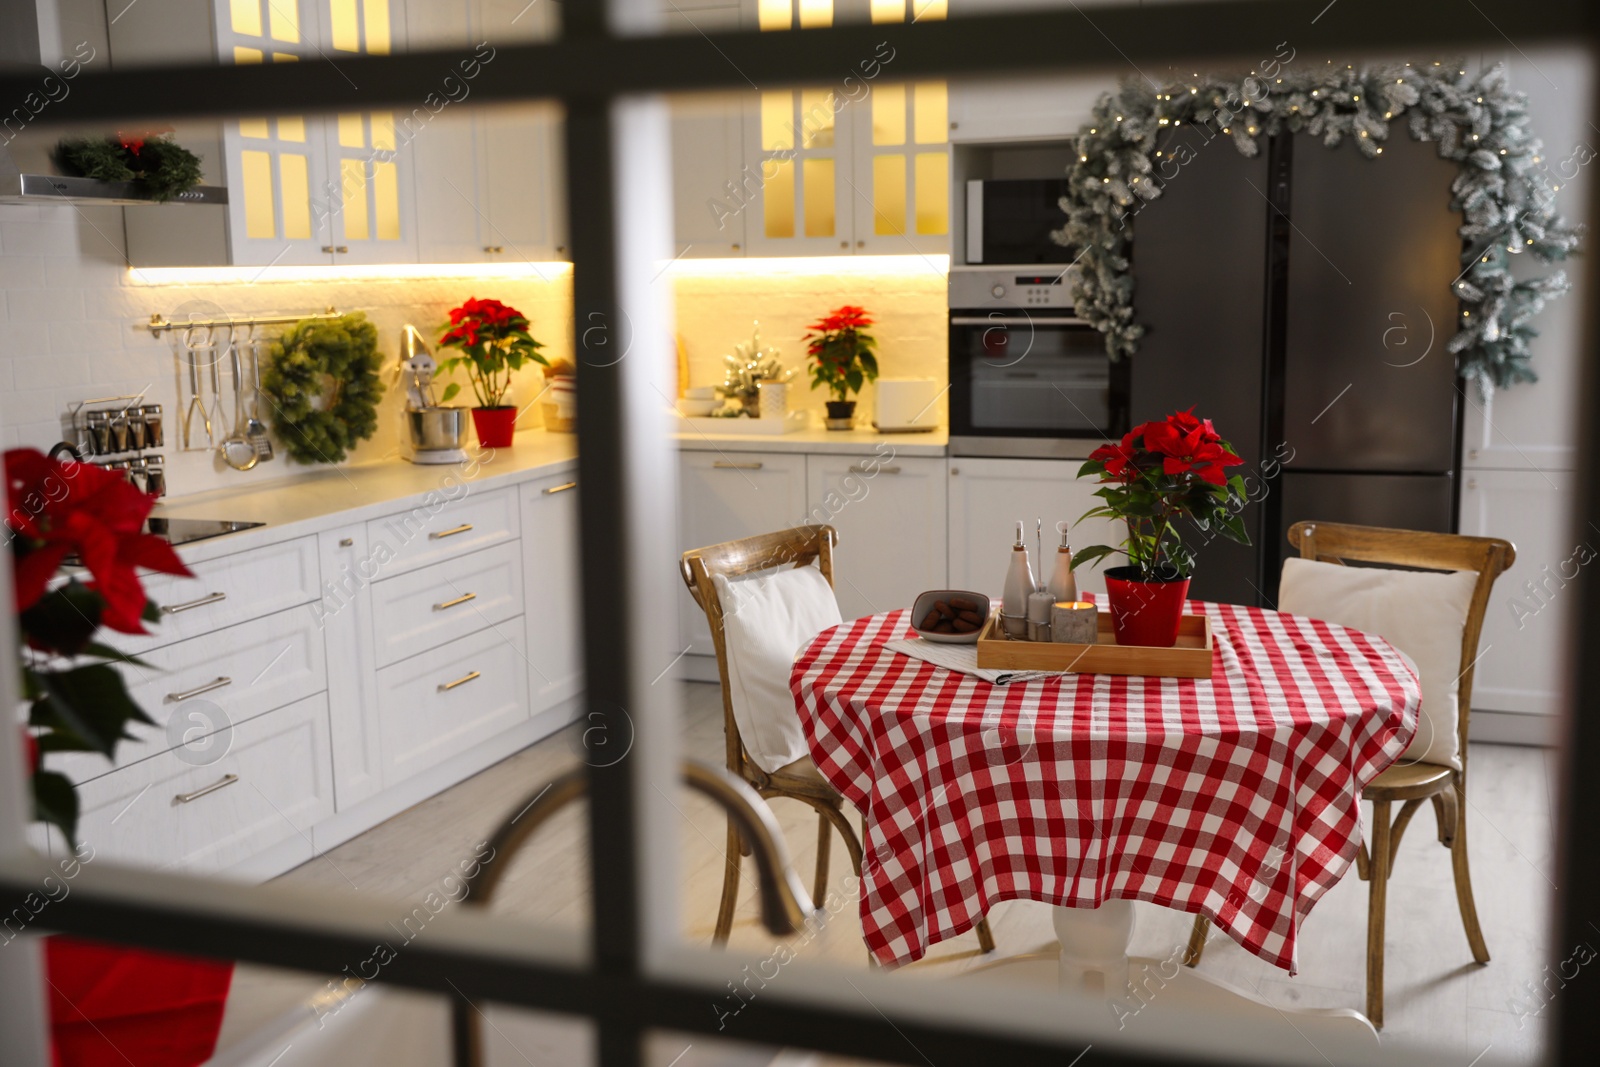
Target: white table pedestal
(1094, 947)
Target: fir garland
(161, 165)
(1504, 190)
(332, 360)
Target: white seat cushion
(767, 619)
(1422, 613)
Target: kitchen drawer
(274, 782)
(449, 699)
(436, 604)
(228, 590)
(443, 529)
(197, 687)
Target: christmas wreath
(322, 382)
(161, 165)
(1505, 189)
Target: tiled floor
(1436, 996)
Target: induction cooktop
(188, 531)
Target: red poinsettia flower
(60, 509)
(1187, 444)
(1119, 459)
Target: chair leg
(730, 888)
(819, 891)
(985, 935)
(1377, 889)
(1197, 940)
(1469, 910)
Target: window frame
(605, 58)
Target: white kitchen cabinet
(989, 496)
(860, 165)
(445, 701)
(301, 189)
(272, 783)
(425, 608)
(343, 614)
(550, 576)
(889, 511)
(724, 497)
(1528, 621)
(713, 188)
(489, 180)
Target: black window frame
(587, 68)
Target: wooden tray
(1189, 658)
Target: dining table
(1236, 797)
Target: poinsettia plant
(77, 700)
(494, 343)
(841, 351)
(1160, 474)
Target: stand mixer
(432, 433)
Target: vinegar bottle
(1019, 583)
(1063, 586)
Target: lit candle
(1074, 622)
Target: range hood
(28, 177)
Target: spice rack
(122, 433)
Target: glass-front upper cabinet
(277, 166)
(367, 199)
(861, 165)
(301, 189)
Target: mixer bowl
(437, 428)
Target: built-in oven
(1010, 220)
(1027, 376)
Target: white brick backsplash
(45, 305)
(52, 237)
(49, 372)
(81, 336)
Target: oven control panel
(1028, 287)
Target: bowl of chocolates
(950, 616)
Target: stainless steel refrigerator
(1302, 300)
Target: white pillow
(767, 619)
(1422, 613)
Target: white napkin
(963, 658)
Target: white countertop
(310, 500)
(860, 442)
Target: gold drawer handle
(209, 598)
(857, 468)
(719, 465)
(463, 680)
(225, 780)
(463, 528)
(561, 488)
(179, 698)
(462, 599)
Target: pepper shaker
(152, 425)
(99, 432)
(155, 476)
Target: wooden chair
(1409, 784)
(798, 547)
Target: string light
(1388, 114)
(1380, 151)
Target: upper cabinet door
(862, 165)
(277, 206)
(797, 146)
(901, 195)
(520, 157)
(369, 191)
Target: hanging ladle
(238, 451)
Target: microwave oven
(1009, 221)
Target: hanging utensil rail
(159, 324)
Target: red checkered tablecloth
(1237, 798)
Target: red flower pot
(495, 426)
(1145, 613)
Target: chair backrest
(1488, 557)
(798, 547)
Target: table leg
(1094, 947)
